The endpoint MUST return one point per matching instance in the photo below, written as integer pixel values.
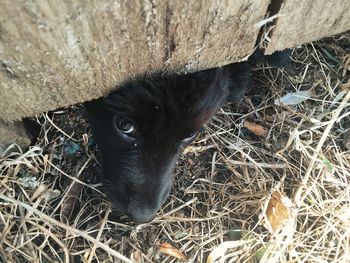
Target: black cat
(142, 128)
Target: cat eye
(124, 126)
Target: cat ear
(215, 90)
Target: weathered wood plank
(305, 21)
(57, 53)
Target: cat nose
(143, 207)
(141, 214)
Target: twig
(260, 165)
(103, 223)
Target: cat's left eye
(124, 126)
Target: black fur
(167, 113)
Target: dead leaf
(257, 129)
(136, 256)
(278, 211)
(168, 249)
(218, 253)
(294, 98)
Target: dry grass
(51, 209)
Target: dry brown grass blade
(70, 229)
(303, 191)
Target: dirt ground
(267, 181)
